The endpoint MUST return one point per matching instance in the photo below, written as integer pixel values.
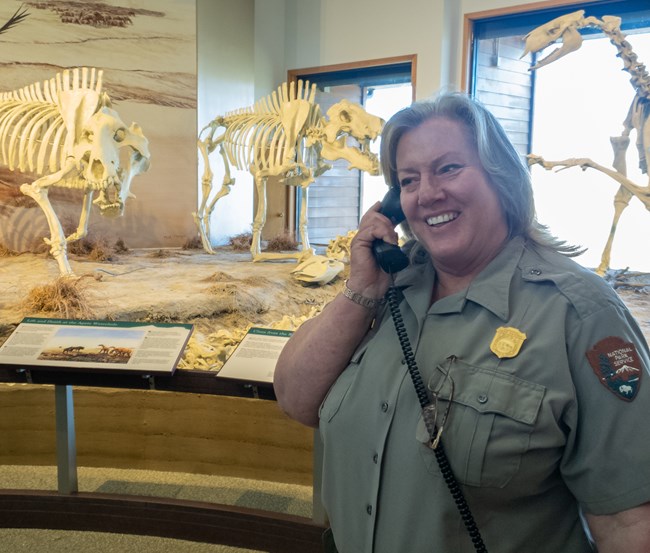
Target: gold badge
(507, 342)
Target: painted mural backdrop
(147, 51)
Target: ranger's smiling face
(447, 198)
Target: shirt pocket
(336, 394)
(489, 425)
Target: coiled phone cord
(439, 451)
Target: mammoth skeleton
(67, 133)
(284, 135)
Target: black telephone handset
(389, 256)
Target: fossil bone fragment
(339, 247)
(567, 29)
(211, 352)
(66, 132)
(317, 269)
(285, 135)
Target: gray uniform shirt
(532, 437)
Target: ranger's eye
(450, 168)
(406, 182)
(120, 135)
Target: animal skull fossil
(346, 119)
(99, 155)
(565, 27)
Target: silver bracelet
(364, 301)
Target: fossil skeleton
(567, 28)
(285, 135)
(66, 133)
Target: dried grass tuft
(120, 246)
(100, 252)
(193, 243)
(282, 243)
(94, 250)
(83, 246)
(161, 254)
(90, 246)
(241, 242)
(219, 276)
(6, 252)
(65, 297)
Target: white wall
(370, 29)
(226, 80)
(304, 33)
(271, 24)
(472, 6)
(364, 29)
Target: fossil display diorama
(222, 292)
(63, 133)
(68, 121)
(97, 187)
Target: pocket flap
(489, 391)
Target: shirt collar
(416, 282)
(490, 288)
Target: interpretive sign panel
(256, 355)
(97, 345)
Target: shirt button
(482, 398)
(375, 458)
(535, 272)
(384, 406)
(369, 509)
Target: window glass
(339, 197)
(567, 109)
(581, 100)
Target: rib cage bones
(254, 137)
(33, 135)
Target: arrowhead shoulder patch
(617, 365)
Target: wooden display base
(198, 424)
(192, 422)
